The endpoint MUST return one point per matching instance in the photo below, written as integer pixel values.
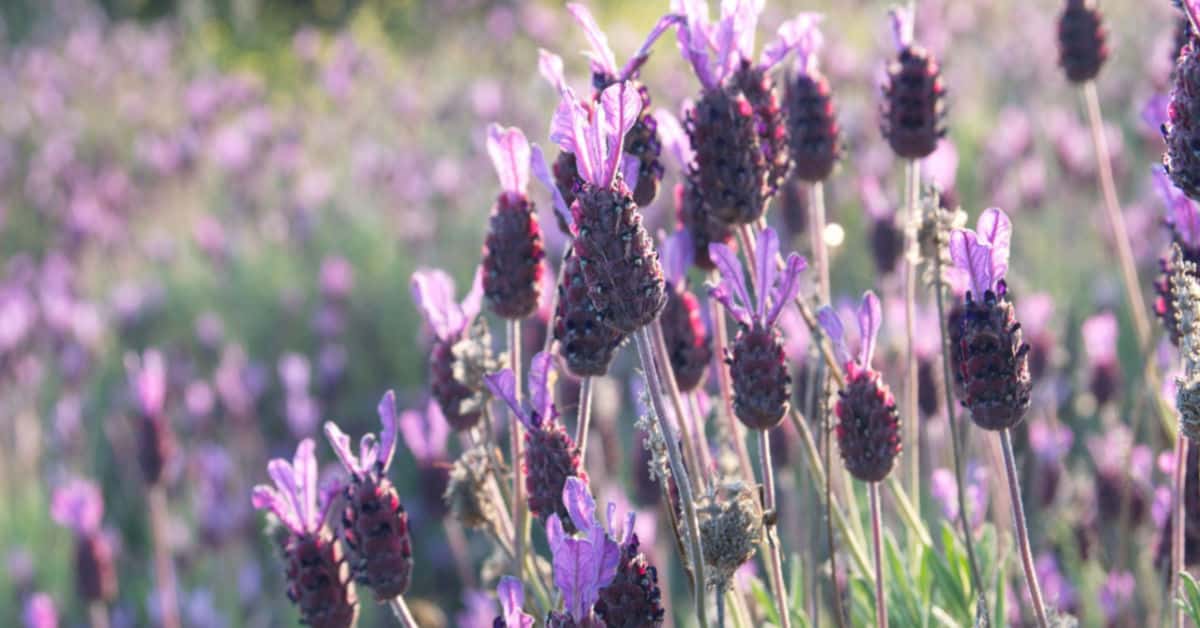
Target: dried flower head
(467, 494)
(1183, 220)
(1187, 310)
(731, 526)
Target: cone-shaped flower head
(318, 580)
(148, 383)
(512, 250)
(585, 343)
(994, 362)
(617, 256)
(585, 561)
(813, 133)
(868, 428)
(1182, 128)
(757, 364)
(374, 523)
(512, 602)
(1100, 347)
(78, 505)
(457, 360)
(688, 342)
(1082, 45)
(914, 99)
(551, 457)
(633, 598)
(691, 212)
(1183, 218)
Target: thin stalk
(720, 342)
(816, 211)
(775, 560)
(912, 431)
(1014, 492)
(646, 354)
(908, 512)
(839, 611)
(164, 567)
(520, 510)
(400, 610)
(721, 609)
(1177, 524)
(881, 619)
(98, 614)
(682, 416)
(693, 401)
(585, 418)
(955, 442)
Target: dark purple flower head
(982, 254)
(585, 563)
(375, 454)
(717, 51)
(148, 380)
(604, 63)
(509, 151)
(735, 295)
(293, 499)
(78, 505)
(425, 433)
(1117, 594)
(433, 291)
(541, 391)
(1183, 214)
(512, 601)
(870, 319)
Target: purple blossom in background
(982, 254)
(148, 380)
(479, 609)
(1056, 589)
(78, 505)
(40, 612)
(425, 433)
(375, 454)
(1050, 442)
(337, 277)
(1117, 594)
(433, 292)
(945, 490)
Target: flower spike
(78, 505)
(509, 151)
(1183, 214)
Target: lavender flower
(156, 444)
(40, 611)
(688, 344)
(1117, 595)
(585, 564)
(512, 599)
(512, 251)
(78, 505)
(1100, 347)
(813, 132)
(944, 489)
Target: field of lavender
(790, 313)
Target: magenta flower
(148, 380)
(293, 499)
(375, 454)
(733, 292)
(40, 611)
(982, 254)
(870, 320)
(604, 63)
(717, 51)
(584, 564)
(512, 600)
(433, 292)
(78, 505)
(425, 433)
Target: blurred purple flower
(1050, 442)
(945, 490)
(1100, 339)
(479, 609)
(1117, 594)
(425, 433)
(583, 565)
(78, 505)
(148, 381)
(512, 599)
(1056, 589)
(40, 611)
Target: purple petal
(387, 436)
(413, 429)
(541, 384)
(902, 26)
(550, 66)
(149, 379)
(995, 227)
(509, 151)
(433, 292)
(284, 476)
(1182, 213)
(631, 167)
(800, 34)
(469, 308)
(837, 333)
(77, 505)
(1154, 112)
(1100, 338)
(765, 254)
(368, 451)
(601, 54)
(870, 319)
(694, 39)
(541, 172)
(504, 386)
(341, 447)
(621, 105)
(568, 129)
(512, 600)
(305, 464)
(941, 167)
(788, 287)
(579, 502)
(674, 139)
(731, 271)
(264, 497)
(643, 52)
(677, 257)
(721, 293)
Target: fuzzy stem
(720, 342)
(646, 354)
(164, 567)
(666, 379)
(816, 211)
(912, 431)
(881, 619)
(721, 609)
(97, 614)
(775, 560)
(520, 510)
(585, 418)
(1014, 493)
(1178, 522)
(955, 443)
(400, 610)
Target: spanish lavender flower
(868, 428)
(814, 137)
(1183, 220)
(688, 343)
(374, 523)
(736, 126)
(1123, 470)
(994, 366)
(513, 251)
(585, 343)
(944, 489)
(78, 505)
(617, 256)
(426, 434)
(40, 611)
(1181, 131)
(1035, 312)
(1082, 45)
(914, 99)
(1100, 347)
(757, 365)
(1050, 444)
(512, 600)
(156, 444)
(691, 212)
(450, 363)
(1117, 597)
(318, 579)
(551, 457)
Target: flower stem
(98, 614)
(839, 611)
(775, 560)
(693, 401)
(721, 609)
(646, 354)
(666, 378)
(912, 425)
(164, 568)
(400, 610)
(956, 444)
(1014, 493)
(881, 619)
(721, 341)
(585, 418)
(1178, 522)
(520, 510)
(816, 210)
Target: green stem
(774, 559)
(1177, 525)
(1014, 494)
(912, 425)
(881, 619)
